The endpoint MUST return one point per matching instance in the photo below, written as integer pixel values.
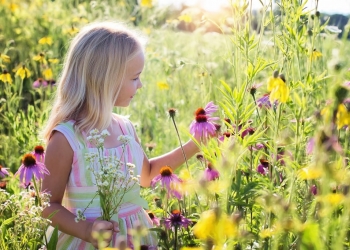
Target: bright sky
(324, 6)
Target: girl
(101, 70)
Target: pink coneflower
(39, 153)
(30, 167)
(210, 173)
(154, 219)
(210, 108)
(176, 220)
(3, 172)
(203, 126)
(39, 83)
(168, 180)
(248, 131)
(263, 167)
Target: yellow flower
(334, 199)
(273, 82)
(309, 173)
(163, 85)
(186, 18)
(278, 88)
(5, 58)
(343, 116)
(280, 93)
(79, 20)
(72, 31)
(315, 54)
(54, 60)
(23, 72)
(146, 3)
(45, 40)
(13, 7)
(6, 77)
(216, 226)
(40, 58)
(47, 73)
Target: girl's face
(131, 82)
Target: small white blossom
(105, 133)
(130, 165)
(94, 131)
(124, 138)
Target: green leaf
(53, 240)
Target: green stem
(178, 136)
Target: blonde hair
(92, 74)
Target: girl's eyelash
(135, 79)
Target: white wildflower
(94, 131)
(130, 165)
(124, 138)
(100, 141)
(105, 133)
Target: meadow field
(276, 176)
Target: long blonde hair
(92, 74)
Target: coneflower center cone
(200, 111)
(201, 118)
(166, 171)
(28, 160)
(39, 149)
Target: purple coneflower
(3, 172)
(210, 173)
(210, 108)
(203, 126)
(248, 131)
(176, 220)
(39, 153)
(263, 167)
(39, 83)
(168, 180)
(30, 167)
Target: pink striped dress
(81, 189)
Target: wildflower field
(273, 84)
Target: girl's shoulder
(67, 129)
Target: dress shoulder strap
(126, 125)
(67, 129)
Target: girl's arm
(58, 160)
(173, 159)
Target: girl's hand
(100, 232)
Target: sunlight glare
(207, 5)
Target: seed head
(172, 112)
